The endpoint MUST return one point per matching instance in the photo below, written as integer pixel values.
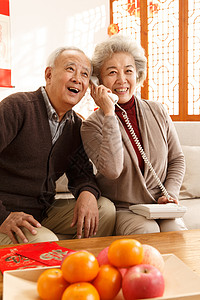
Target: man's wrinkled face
(68, 80)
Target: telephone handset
(95, 81)
(115, 98)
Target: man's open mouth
(73, 90)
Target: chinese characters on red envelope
(32, 256)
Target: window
(169, 31)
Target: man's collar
(52, 114)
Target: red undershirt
(129, 107)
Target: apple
(102, 257)
(142, 281)
(153, 257)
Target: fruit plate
(181, 283)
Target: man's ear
(48, 74)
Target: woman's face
(118, 73)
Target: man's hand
(164, 200)
(13, 223)
(86, 215)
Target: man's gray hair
(55, 54)
(120, 43)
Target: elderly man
(39, 142)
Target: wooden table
(184, 244)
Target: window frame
(183, 57)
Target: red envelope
(10, 260)
(32, 256)
(47, 253)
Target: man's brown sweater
(30, 164)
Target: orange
(80, 266)
(124, 253)
(51, 284)
(108, 282)
(81, 291)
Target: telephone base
(159, 211)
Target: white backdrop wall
(40, 26)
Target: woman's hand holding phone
(100, 94)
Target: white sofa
(189, 135)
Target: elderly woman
(123, 176)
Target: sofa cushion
(191, 183)
(188, 132)
(191, 217)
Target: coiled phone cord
(143, 154)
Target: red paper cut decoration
(133, 8)
(5, 72)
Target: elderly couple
(41, 138)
